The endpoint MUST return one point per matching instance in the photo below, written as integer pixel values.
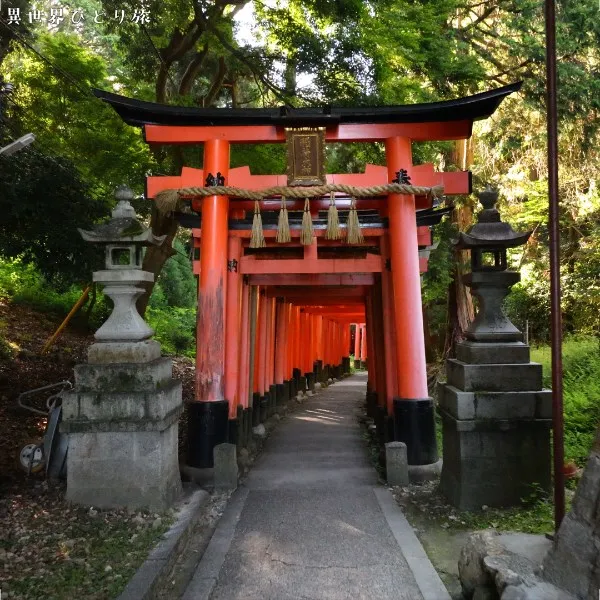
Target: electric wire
(160, 58)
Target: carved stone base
(122, 422)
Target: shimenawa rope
(169, 200)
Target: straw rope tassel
(167, 201)
(306, 236)
(283, 225)
(333, 222)
(354, 234)
(257, 239)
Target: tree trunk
(290, 76)
(157, 256)
(460, 303)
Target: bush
(24, 284)
(176, 285)
(175, 329)
(530, 302)
(174, 326)
(581, 392)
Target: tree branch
(192, 71)
(480, 18)
(280, 93)
(217, 84)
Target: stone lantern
(496, 416)
(490, 281)
(122, 415)
(123, 238)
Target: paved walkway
(310, 522)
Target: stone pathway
(310, 522)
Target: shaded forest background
(244, 53)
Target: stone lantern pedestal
(122, 415)
(496, 415)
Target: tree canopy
(299, 52)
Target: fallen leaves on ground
(48, 548)
(52, 550)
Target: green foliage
(581, 392)
(176, 285)
(175, 329)
(69, 121)
(530, 302)
(24, 284)
(175, 326)
(535, 515)
(6, 350)
(438, 276)
(43, 202)
(435, 282)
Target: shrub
(23, 284)
(174, 329)
(530, 302)
(176, 285)
(581, 392)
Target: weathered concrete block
(493, 463)
(259, 431)
(423, 473)
(495, 405)
(106, 378)
(494, 378)
(124, 352)
(226, 467)
(396, 463)
(126, 406)
(477, 353)
(124, 469)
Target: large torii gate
(269, 318)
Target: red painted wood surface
(345, 132)
(389, 329)
(262, 344)
(210, 332)
(250, 265)
(244, 357)
(232, 328)
(410, 348)
(424, 175)
(270, 234)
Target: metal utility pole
(553, 225)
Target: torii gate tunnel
(272, 320)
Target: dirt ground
(45, 542)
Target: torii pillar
(209, 414)
(414, 422)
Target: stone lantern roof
(123, 227)
(490, 232)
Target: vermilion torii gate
(271, 319)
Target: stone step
(495, 405)
(492, 353)
(494, 377)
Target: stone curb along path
(148, 578)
